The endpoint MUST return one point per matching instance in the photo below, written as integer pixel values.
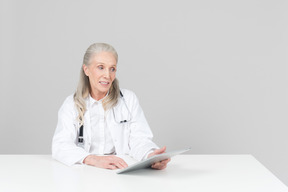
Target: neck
(98, 95)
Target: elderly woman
(100, 121)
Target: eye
(113, 69)
(100, 67)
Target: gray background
(209, 74)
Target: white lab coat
(133, 138)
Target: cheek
(95, 75)
(113, 76)
(94, 78)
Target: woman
(112, 121)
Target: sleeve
(140, 140)
(64, 148)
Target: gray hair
(84, 88)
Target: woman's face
(101, 73)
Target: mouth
(104, 82)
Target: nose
(107, 74)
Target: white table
(223, 173)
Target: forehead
(104, 58)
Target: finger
(119, 165)
(166, 161)
(118, 160)
(162, 167)
(155, 165)
(123, 163)
(111, 166)
(159, 166)
(159, 163)
(169, 159)
(159, 151)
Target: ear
(85, 69)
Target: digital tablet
(148, 162)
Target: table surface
(231, 173)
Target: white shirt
(102, 143)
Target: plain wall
(209, 74)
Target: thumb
(159, 151)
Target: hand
(106, 162)
(161, 164)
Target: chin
(104, 90)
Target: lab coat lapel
(87, 130)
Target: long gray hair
(84, 88)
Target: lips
(104, 82)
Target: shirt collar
(92, 100)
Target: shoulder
(69, 100)
(128, 94)
(130, 97)
(68, 104)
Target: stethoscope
(80, 135)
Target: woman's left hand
(161, 164)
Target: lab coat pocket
(122, 130)
(126, 136)
(121, 138)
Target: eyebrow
(100, 63)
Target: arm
(140, 140)
(64, 148)
(141, 143)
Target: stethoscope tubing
(81, 128)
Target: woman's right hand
(106, 162)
